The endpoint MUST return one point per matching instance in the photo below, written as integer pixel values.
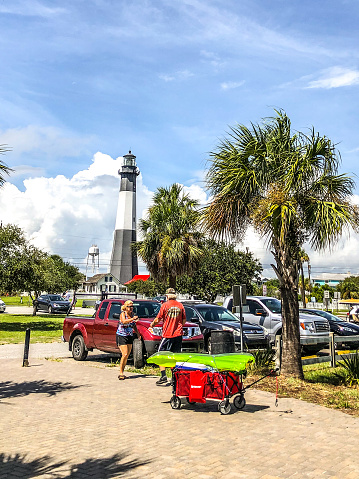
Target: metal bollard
(332, 350)
(25, 362)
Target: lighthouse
(123, 264)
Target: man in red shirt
(173, 315)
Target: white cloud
(231, 84)
(48, 140)
(33, 9)
(335, 78)
(66, 216)
(177, 76)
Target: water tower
(92, 256)
(123, 264)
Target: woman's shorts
(123, 340)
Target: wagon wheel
(175, 402)
(224, 407)
(239, 402)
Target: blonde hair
(126, 304)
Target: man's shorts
(171, 344)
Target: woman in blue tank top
(124, 334)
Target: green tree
(220, 268)
(286, 185)
(4, 170)
(318, 292)
(349, 288)
(304, 258)
(15, 263)
(170, 245)
(23, 267)
(148, 288)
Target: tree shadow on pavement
(9, 389)
(114, 466)
(15, 466)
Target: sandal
(121, 377)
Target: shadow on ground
(15, 466)
(46, 325)
(9, 389)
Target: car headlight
(57, 305)
(156, 331)
(265, 330)
(197, 331)
(308, 327)
(345, 328)
(227, 328)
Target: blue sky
(166, 79)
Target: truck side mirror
(261, 312)
(116, 315)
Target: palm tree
(4, 170)
(303, 258)
(288, 188)
(170, 245)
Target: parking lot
(61, 418)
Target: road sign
(264, 290)
(336, 294)
(326, 294)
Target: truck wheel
(137, 351)
(79, 352)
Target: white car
(2, 306)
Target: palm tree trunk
(287, 273)
(172, 281)
(303, 285)
(291, 352)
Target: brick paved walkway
(61, 418)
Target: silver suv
(266, 311)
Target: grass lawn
(321, 386)
(26, 301)
(44, 329)
(16, 300)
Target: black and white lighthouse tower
(123, 264)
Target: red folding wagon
(199, 384)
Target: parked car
(99, 332)
(211, 317)
(2, 306)
(266, 311)
(161, 299)
(51, 303)
(337, 325)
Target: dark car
(161, 299)
(337, 325)
(212, 317)
(51, 303)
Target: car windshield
(215, 313)
(273, 304)
(325, 315)
(56, 297)
(146, 309)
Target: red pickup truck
(99, 332)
